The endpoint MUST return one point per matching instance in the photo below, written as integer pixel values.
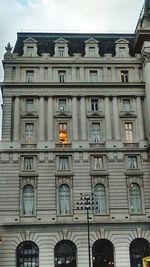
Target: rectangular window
(93, 76)
(98, 163)
(29, 105)
(63, 133)
(94, 104)
(61, 51)
(28, 164)
(62, 104)
(124, 76)
(96, 133)
(45, 73)
(62, 76)
(29, 133)
(128, 126)
(14, 73)
(132, 162)
(126, 105)
(63, 163)
(29, 76)
(30, 51)
(92, 51)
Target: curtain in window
(28, 200)
(64, 199)
(129, 132)
(135, 198)
(63, 163)
(29, 131)
(100, 198)
(96, 132)
(132, 162)
(28, 164)
(98, 163)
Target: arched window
(64, 199)
(27, 254)
(103, 253)
(65, 254)
(100, 199)
(28, 200)
(139, 248)
(135, 198)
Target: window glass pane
(128, 132)
(63, 163)
(61, 50)
(100, 198)
(64, 199)
(61, 76)
(96, 132)
(29, 105)
(29, 132)
(135, 198)
(92, 51)
(63, 135)
(124, 76)
(30, 51)
(132, 162)
(27, 255)
(65, 254)
(126, 105)
(94, 104)
(62, 104)
(29, 75)
(28, 200)
(93, 76)
(98, 163)
(28, 163)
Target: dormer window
(61, 51)
(61, 48)
(91, 51)
(30, 48)
(91, 48)
(122, 48)
(30, 51)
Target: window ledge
(131, 145)
(101, 144)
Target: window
(63, 134)
(62, 104)
(65, 254)
(28, 200)
(92, 51)
(45, 73)
(29, 133)
(96, 134)
(132, 162)
(64, 199)
(94, 104)
(27, 254)
(124, 76)
(103, 253)
(135, 198)
(139, 249)
(126, 105)
(30, 51)
(62, 76)
(98, 163)
(93, 76)
(29, 105)
(63, 163)
(61, 51)
(28, 164)
(100, 199)
(128, 126)
(29, 76)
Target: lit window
(29, 105)
(124, 76)
(30, 51)
(126, 105)
(98, 163)
(63, 163)
(92, 51)
(132, 162)
(28, 200)
(29, 76)
(63, 135)
(28, 163)
(27, 254)
(128, 132)
(62, 104)
(100, 199)
(61, 76)
(94, 104)
(96, 134)
(64, 199)
(135, 198)
(29, 132)
(93, 76)
(61, 51)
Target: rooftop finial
(8, 48)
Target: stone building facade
(76, 121)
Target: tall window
(28, 200)
(63, 163)
(65, 254)
(139, 249)
(28, 164)
(29, 133)
(96, 132)
(93, 76)
(132, 162)
(135, 198)
(100, 199)
(63, 134)
(29, 105)
(62, 104)
(64, 199)
(62, 76)
(91, 51)
(94, 104)
(124, 76)
(128, 126)
(29, 76)
(27, 254)
(103, 253)
(126, 105)
(61, 51)
(98, 163)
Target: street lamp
(86, 203)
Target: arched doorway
(139, 248)
(65, 254)
(27, 254)
(103, 253)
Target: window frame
(105, 196)
(29, 78)
(124, 76)
(96, 156)
(62, 75)
(101, 132)
(58, 169)
(127, 122)
(93, 76)
(138, 162)
(32, 256)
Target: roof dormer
(122, 48)
(91, 48)
(61, 48)
(30, 48)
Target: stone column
(83, 119)
(50, 119)
(146, 70)
(108, 119)
(116, 119)
(41, 120)
(16, 119)
(74, 119)
(140, 119)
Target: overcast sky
(65, 16)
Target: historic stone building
(76, 120)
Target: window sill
(100, 144)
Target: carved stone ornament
(146, 57)
(8, 48)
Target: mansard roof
(76, 41)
